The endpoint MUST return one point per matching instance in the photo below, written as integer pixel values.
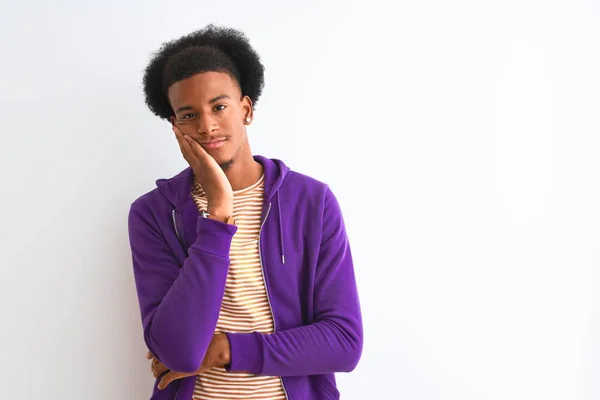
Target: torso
(245, 307)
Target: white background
(461, 138)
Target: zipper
(175, 225)
(266, 288)
(176, 230)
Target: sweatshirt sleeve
(179, 304)
(333, 343)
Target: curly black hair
(211, 48)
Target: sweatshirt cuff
(215, 236)
(246, 352)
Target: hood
(177, 190)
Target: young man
(243, 269)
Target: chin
(225, 164)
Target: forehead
(202, 87)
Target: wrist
(224, 357)
(246, 352)
(220, 211)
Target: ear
(172, 120)
(247, 109)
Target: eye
(220, 107)
(188, 116)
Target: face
(210, 108)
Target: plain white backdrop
(461, 138)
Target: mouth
(214, 144)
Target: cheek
(233, 125)
(233, 116)
(188, 128)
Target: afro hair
(211, 48)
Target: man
(243, 268)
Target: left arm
(333, 343)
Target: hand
(210, 175)
(156, 366)
(218, 354)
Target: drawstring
(280, 229)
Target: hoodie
(180, 265)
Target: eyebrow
(221, 97)
(211, 101)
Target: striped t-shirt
(245, 307)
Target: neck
(244, 172)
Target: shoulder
(313, 201)
(308, 191)
(305, 181)
(304, 185)
(144, 209)
(146, 199)
(168, 193)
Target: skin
(217, 355)
(209, 106)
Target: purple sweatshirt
(180, 263)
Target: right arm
(179, 304)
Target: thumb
(168, 378)
(198, 150)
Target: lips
(214, 144)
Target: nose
(207, 125)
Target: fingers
(184, 145)
(157, 368)
(190, 144)
(202, 370)
(197, 148)
(168, 378)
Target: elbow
(352, 350)
(175, 358)
(353, 362)
(347, 334)
(353, 355)
(179, 362)
(188, 368)
(183, 364)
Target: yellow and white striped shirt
(245, 307)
